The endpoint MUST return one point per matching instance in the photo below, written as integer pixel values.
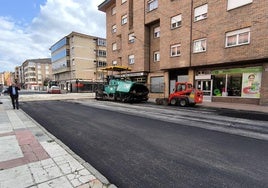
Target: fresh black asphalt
(133, 151)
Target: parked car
(54, 90)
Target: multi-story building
(6, 79)
(2, 80)
(18, 74)
(219, 46)
(78, 58)
(35, 73)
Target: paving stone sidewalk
(31, 157)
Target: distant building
(34, 74)
(2, 79)
(78, 58)
(219, 46)
(6, 78)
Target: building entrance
(206, 87)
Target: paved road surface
(135, 151)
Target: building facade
(33, 74)
(78, 58)
(6, 79)
(219, 46)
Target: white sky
(21, 40)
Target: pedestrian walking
(13, 91)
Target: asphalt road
(135, 151)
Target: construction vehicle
(184, 95)
(120, 88)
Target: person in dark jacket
(13, 91)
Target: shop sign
(203, 77)
(237, 70)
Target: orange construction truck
(184, 95)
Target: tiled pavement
(31, 157)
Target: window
(114, 46)
(176, 21)
(131, 38)
(131, 59)
(200, 13)
(156, 32)
(237, 3)
(114, 29)
(152, 4)
(157, 84)
(101, 64)
(175, 50)
(200, 45)
(114, 62)
(101, 42)
(124, 19)
(232, 86)
(101, 53)
(113, 11)
(239, 37)
(156, 56)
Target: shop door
(206, 87)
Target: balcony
(61, 70)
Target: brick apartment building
(219, 46)
(77, 60)
(33, 73)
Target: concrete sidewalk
(31, 157)
(236, 106)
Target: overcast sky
(28, 28)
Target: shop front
(231, 85)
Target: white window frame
(200, 12)
(175, 48)
(175, 21)
(113, 10)
(157, 32)
(236, 36)
(114, 62)
(124, 19)
(152, 5)
(131, 59)
(156, 56)
(114, 28)
(131, 38)
(200, 45)
(114, 46)
(232, 4)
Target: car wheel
(173, 101)
(183, 102)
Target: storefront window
(219, 84)
(234, 84)
(157, 84)
(240, 82)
